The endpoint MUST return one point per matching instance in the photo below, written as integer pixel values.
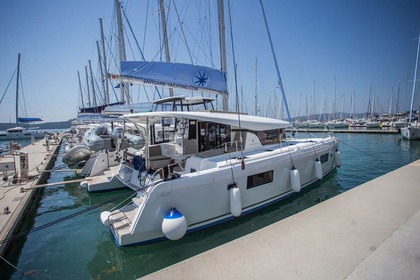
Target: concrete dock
(16, 195)
(369, 232)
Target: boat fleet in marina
(383, 121)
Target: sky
(367, 46)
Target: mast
(335, 98)
(222, 40)
(106, 102)
(121, 48)
(414, 82)
(17, 90)
(256, 90)
(93, 86)
(165, 37)
(397, 110)
(87, 86)
(80, 88)
(106, 91)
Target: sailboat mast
(93, 86)
(414, 82)
(222, 41)
(165, 37)
(17, 91)
(256, 89)
(102, 74)
(87, 86)
(121, 48)
(80, 88)
(107, 100)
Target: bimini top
(249, 122)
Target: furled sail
(174, 75)
(25, 120)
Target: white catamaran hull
(410, 132)
(204, 197)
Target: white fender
(337, 156)
(104, 218)
(318, 169)
(295, 180)
(174, 225)
(235, 202)
(84, 184)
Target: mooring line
(25, 233)
(357, 149)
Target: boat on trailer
(213, 167)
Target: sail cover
(23, 120)
(174, 75)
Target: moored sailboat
(200, 168)
(19, 132)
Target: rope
(113, 208)
(12, 265)
(364, 152)
(25, 233)
(351, 146)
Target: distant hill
(46, 125)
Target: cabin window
(162, 131)
(259, 179)
(324, 158)
(192, 131)
(270, 136)
(213, 135)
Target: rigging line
(98, 93)
(280, 83)
(357, 149)
(8, 85)
(132, 32)
(23, 95)
(183, 33)
(129, 43)
(145, 25)
(9, 263)
(113, 208)
(25, 233)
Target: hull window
(324, 158)
(259, 179)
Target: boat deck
(369, 232)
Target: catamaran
(19, 132)
(200, 168)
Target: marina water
(80, 247)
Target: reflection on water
(82, 248)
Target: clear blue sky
(359, 42)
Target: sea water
(80, 247)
